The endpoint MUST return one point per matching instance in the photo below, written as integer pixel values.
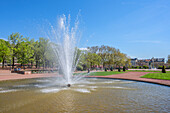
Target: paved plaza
(7, 75)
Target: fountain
(89, 95)
(64, 40)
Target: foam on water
(81, 85)
(8, 90)
(82, 90)
(40, 86)
(126, 82)
(51, 90)
(21, 86)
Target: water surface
(90, 95)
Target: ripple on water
(82, 90)
(50, 90)
(21, 86)
(40, 86)
(8, 90)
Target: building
(143, 62)
(151, 63)
(156, 62)
(134, 62)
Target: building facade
(151, 63)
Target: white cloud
(83, 48)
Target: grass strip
(162, 76)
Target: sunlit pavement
(136, 76)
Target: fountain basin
(89, 95)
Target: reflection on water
(89, 95)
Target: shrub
(79, 68)
(163, 69)
(145, 67)
(124, 68)
(160, 67)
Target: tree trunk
(31, 64)
(36, 63)
(91, 65)
(43, 65)
(52, 65)
(13, 62)
(103, 66)
(3, 63)
(48, 64)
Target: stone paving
(7, 75)
(136, 77)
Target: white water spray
(64, 40)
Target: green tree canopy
(14, 40)
(25, 51)
(4, 51)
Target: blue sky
(139, 28)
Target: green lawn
(163, 76)
(105, 73)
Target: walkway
(136, 77)
(7, 75)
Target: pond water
(90, 95)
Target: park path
(7, 75)
(136, 77)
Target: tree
(32, 59)
(110, 56)
(83, 61)
(1, 59)
(14, 40)
(37, 52)
(4, 51)
(43, 47)
(104, 54)
(25, 52)
(92, 59)
(120, 58)
(128, 62)
(93, 49)
(51, 57)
